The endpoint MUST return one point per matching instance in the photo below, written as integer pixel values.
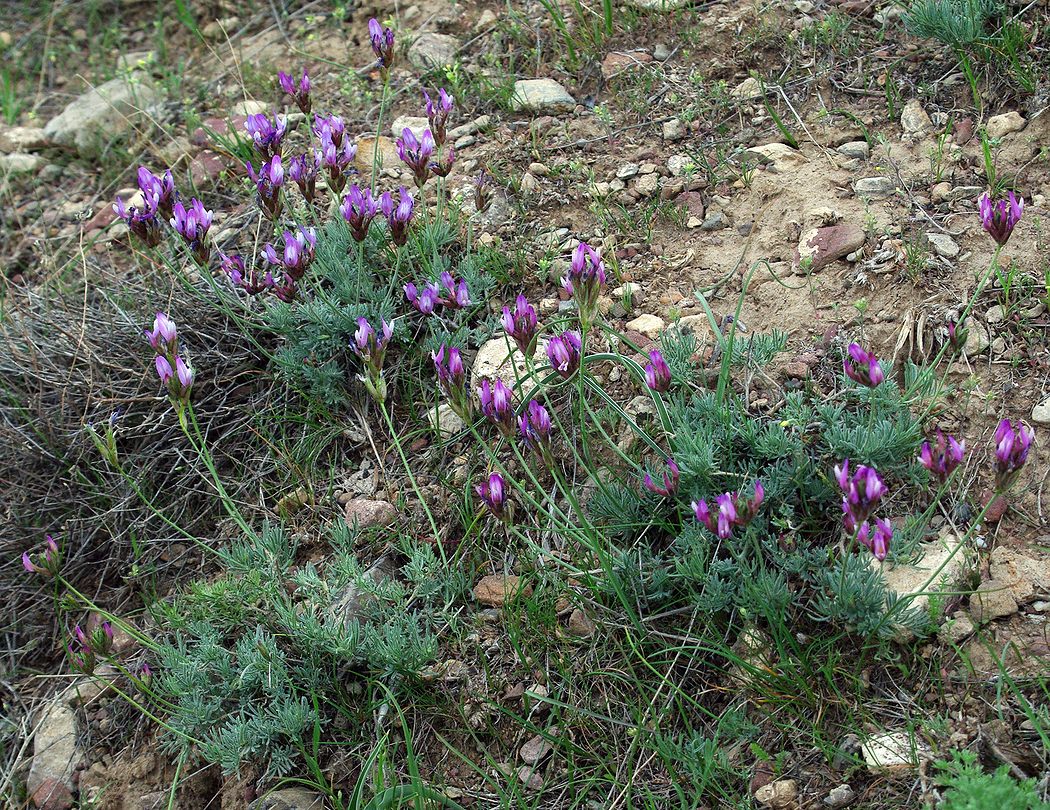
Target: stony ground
(659, 144)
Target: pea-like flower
(160, 189)
(178, 380)
(371, 347)
(303, 170)
(999, 218)
(338, 162)
(359, 208)
(424, 299)
(861, 493)
(299, 248)
(330, 128)
(438, 113)
(142, 220)
(943, 456)
(382, 40)
(268, 180)
(443, 165)
(299, 91)
(1012, 443)
(47, 564)
(81, 658)
(266, 133)
(584, 280)
(878, 543)
(657, 372)
(669, 485)
(957, 335)
(482, 191)
(163, 335)
(398, 215)
(535, 428)
(454, 295)
(247, 279)
(563, 352)
(497, 404)
(416, 153)
(100, 638)
(192, 224)
(492, 493)
(863, 367)
(520, 325)
(730, 511)
(452, 379)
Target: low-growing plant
(969, 787)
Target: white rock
(499, 359)
(541, 95)
(136, 60)
(55, 752)
(659, 5)
(431, 51)
(102, 113)
(840, 796)
(649, 325)
(943, 245)
(22, 139)
(415, 123)
(944, 556)
(445, 421)
(20, 163)
(780, 155)
(627, 171)
(976, 339)
(895, 752)
(1001, 125)
(748, 88)
(250, 107)
(778, 795)
(1041, 412)
(679, 165)
(914, 120)
(674, 130)
(874, 187)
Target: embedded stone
(1001, 125)
(822, 246)
(102, 113)
(431, 51)
(541, 95)
(496, 590)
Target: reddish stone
(52, 794)
(692, 203)
(200, 136)
(206, 167)
(825, 245)
(996, 509)
(618, 62)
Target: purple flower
(162, 337)
(1000, 218)
(520, 325)
(50, 562)
(863, 367)
(81, 657)
(416, 153)
(382, 40)
(861, 493)
(143, 221)
(443, 165)
(879, 542)
(192, 225)
(266, 134)
(329, 128)
(732, 511)
(298, 252)
(585, 279)
(371, 348)
(497, 405)
(101, 638)
(452, 378)
(299, 92)
(943, 456)
(956, 335)
(1012, 443)
(159, 189)
(268, 182)
(359, 208)
(247, 280)
(338, 160)
(670, 480)
(563, 352)
(178, 380)
(657, 373)
(492, 493)
(397, 216)
(535, 427)
(423, 300)
(482, 191)
(454, 295)
(303, 169)
(438, 114)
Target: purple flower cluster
(520, 325)
(416, 153)
(493, 494)
(452, 379)
(173, 371)
(999, 218)
(398, 215)
(382, 40)
(563, 352)
(497, 404)
(1012, 443)
(535, 428)
(303, 170)
(48, 564)
(266, 134)
(863, 367)
(669, 484)
(337, 152)
(192, 225)
(732, 511)
(85, 647)
(158, 200)
(359, 208)
(293, 263)
(657, 373)
(371, 347)
(437, 114)
(861, 494)
(447, 292)
(943, 456)
(268, 180)
(482, 191)
(585, 279)
(299, 91)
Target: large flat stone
(91, 120)
(541, 95)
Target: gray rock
(748, 88)
(1001, 125)
(893, 753)
(779, 795)
(22, 139)
(674, 130)
(541, 95)
(858, 150)
(499, 359)
(20, 163)
(679, 165)
(537, 747)
(296, 798)
(874, 188)
(55, 758)
(977, 339)
(994, 599)
(102, 113)
(714, 221)
(368, 514)
(431, 51)
(943, 557)
(943, 245)
(349, 605)
(841, 796)
(415, 123)
(661, 53)
(647, 185)
(995, 314)
(659, 5)
(1041, 412)
(445, 421)
(914, 120)
(136, 60)
(627, 171)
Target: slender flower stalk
(863, 367)
(943, 456)
(192, 224)
(520, 325)
(584, 281)
(452, 379)
(371, 347)
(563, 352)
(497, 404)
(669, 484)
(338, 161)
(299, 91)
(657, 373)
(359, 208)
(47, 564)
(1012, 443)
(999, 218)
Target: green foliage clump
(954, 22)
(970, 788)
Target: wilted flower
(48, 564)
(943, 456)
(382, 40)
(731, 511)
(863, 367)
(493, 494)
(497, 405)
(416, 153)
(452, 378)
(535, 427)
(100, 639)
(956, 335)
(298, 252)
(443, 165)
(879, 542)
(861, 493)
(303, 169)
(482, 191)
(338, 161)
(563, 352)
(247, 280)
(423, 300)
(359, 208)
(1012, 443)
(159, 189)
(192, 225)
(162, 337)
(438, 114)
(584, 280)
(268, 182)
(300, 91)
(669, 485)
(520, 325)
(657, 372)
(1000, 218)
(371, 348)
(398, 216)
(143, 221)
(145, 675)
(266, 134)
